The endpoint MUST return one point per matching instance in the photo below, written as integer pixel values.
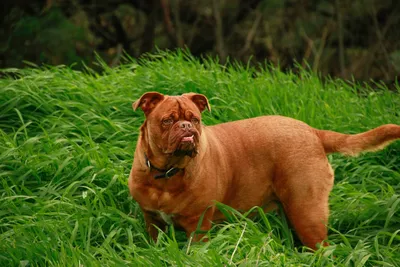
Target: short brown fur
(247, 163)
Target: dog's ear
(148, 101)
(200, 100)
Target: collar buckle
(171, 172)
(148, 163)
(164, 173)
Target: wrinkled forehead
(179, 106)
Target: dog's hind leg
(304, 194)
(309, 221)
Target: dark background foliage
(357, 39)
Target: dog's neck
(161, 173)
(165, 162)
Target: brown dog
(182, 167)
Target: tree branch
(167, 19)
(219, 37)
(251, 34)
(340, 33)
(321, 48)
(179, 38)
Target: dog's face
(173, 123)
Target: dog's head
(173, 123)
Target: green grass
(66, 144)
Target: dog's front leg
(197, 225)
(152, 222)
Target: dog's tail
(353, 144)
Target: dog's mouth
(186, 146)
(183, 143)
(188, 139)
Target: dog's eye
(195, 120)
(167, 121)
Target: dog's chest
(163, 205)
(167, 218)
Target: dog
(181, 168)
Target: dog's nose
(185, 125)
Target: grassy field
(66, 144)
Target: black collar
(164, 173)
